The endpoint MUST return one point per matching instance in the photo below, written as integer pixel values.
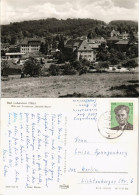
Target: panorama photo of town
(74, 54)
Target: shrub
(119, 67)
(121, 55)
(76, 65)
(85, 62)
(133, 51)
(83, 70)
(114, 60)
(61, 58)
(68, 70)
(53, 70)
(130, 64)
(102, 65)
(113, 68)
(4, 64)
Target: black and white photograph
(69, 48)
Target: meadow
(86, 85)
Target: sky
(106, 10)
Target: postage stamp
(122, 116)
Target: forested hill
(125, 24)
(18, 31)
(50, 25)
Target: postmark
(104, 127)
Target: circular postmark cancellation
(104, 127)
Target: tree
(2, 53)
(85, 62)
(69, 70)
(121, 55)
(90, 35)
(114, 56)
(61, 58)
(130, 64)
(132, 38)
(114, 60)
(76, 65)
(102, 65)
(44, 48)
(83, 70)
(32, 67)
(61, 44)
(133, 51)
(13, 40)
(4, 64)
(20, 35)
(102, 56)
(103, 53)
(105, 65)
(119, 67)
(53, 70)
(97, 31)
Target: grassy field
(86, 85)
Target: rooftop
(73, 42)
(95, 46)
(30, 41)
(122, 42)
(12, 64)
(18, 53)
(85, 47)
(113, 39)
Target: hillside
(51, 25)
(69, 27)
(124, 22)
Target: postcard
(74, 146)
(69, 48)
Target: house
(114, 33)
(124, 36)
(81, 38)
(70, 48)
(31, 46)
(80, 49)
(14, 56)
(14, 49)
(122, 45)
(53, 51)
(95, 43)
(11, 69)
(136, 35)
(86, 52)
(112, 40)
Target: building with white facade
(81, 48)
(86, 52)
(32, 46)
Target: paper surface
(67, 146)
